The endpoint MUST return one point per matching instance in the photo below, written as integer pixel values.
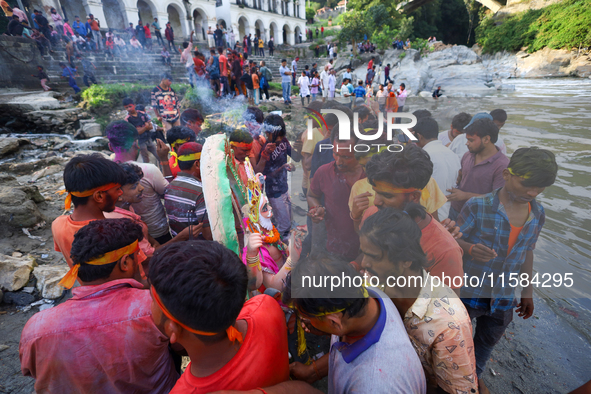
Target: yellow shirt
(308, 147)
(435, 201)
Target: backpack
(268, 74)
(214, 68)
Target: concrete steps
(145, 67)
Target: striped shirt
(484, 220)
(184, 202)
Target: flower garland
(268, 239)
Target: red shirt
(444, 255)
(102, 340)
(147, 31)
(223, 66)
(174, 166)
(63, 229)
(370, 65)
(261, 361)
(199, 66)
(341, 237)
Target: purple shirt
(341, 237)
(483, 177)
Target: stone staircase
(144, 67)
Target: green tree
(310, 13)
(353, 28)
(406, 28)
(384, 37)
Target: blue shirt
(80, 28)
(69, 72)
(359, 91)
(284, 78)
(484, 220)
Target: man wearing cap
(232, 344)
(165, 103)
(93, 184)
(483, 165)
(102, 340)
(458, 145)
(183, 199)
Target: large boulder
(35, 102)
(48, 277)
(92, 130)
(15, 271)
(8, 145)
(18, 206)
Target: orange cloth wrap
(233, 333)
(87, 193)
(242, 145)
(108, 258)
(390, 188)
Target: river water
(553, 114)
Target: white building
(281, 19)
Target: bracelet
(470, 250)
(352, 218)
(252, 262)
(316, 369)
(164, 163)
(288, 264)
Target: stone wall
(19, 58)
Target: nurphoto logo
(345, 129)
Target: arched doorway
(273, 32)
(175, 21)
(144, 11)
(116, 18)
(287, 36)
(243, 28)
(260, 29)
(200, 25)
(222, 24)
(296, 35)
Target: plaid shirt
(484, 220)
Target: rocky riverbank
(465, 72)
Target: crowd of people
(157, 281)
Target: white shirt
(304, 84)
(186, 56)
(445, 171)
(323, 79)
(402, 97)
(458, 145)
(347, 75)
(444, 138)
(294, 65)
(119, 41)
(331, 83)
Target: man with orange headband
(241, 143)
(123, 141)
(102, 340)
(198, 290)
(93, 184)
(500, 234)
(175, 137)
(370, 351)
(183, 198)
(399, 179)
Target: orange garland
(268, 239)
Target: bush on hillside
(562, 25)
